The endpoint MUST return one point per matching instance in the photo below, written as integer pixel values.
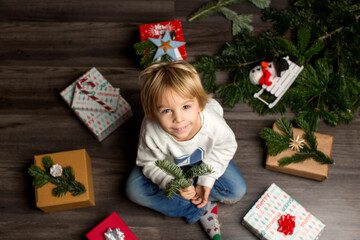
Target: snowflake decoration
(296, 144)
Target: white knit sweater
(214, 144)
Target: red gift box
(155, 30)
(113, 221)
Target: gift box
(274, 204)
(97, 103)
(80, 162)
(156, 30)
(113, 221)
(308, 168)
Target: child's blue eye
(166, 111)
(187, 106)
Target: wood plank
(87, 11)
(45, 46)
(95, 44)
(20, 85)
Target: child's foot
(210, 221)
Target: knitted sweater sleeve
(150, 149)
(223, 144)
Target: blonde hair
(179, 76)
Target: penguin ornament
(264, 73)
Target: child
(185, 125)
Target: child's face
(178, 116)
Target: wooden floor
(46, 45)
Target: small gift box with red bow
(97, 103)
(276, 216)
(111, 228)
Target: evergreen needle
(278, 142)
(180, 180)
(65, 183)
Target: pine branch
(240, 22)
(65, 183)
(175, 185)
(261, 3)
(47, 163)
(320, 33)
(303, 124)
(180, 180)
(40, 181)
(197, 171)
(303, 39)
(285, 161)
(170, 168)
(211, 8)
(322, 158)
(205, 11)
(285, 126)
(310, 138)
(296, 158)
(275, 141)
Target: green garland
(324, 39)
(181, 180)
(65, 183)
(278, 142)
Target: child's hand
(188, 193)
(202, 196)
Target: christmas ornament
(275, 77)
(114, 234)
(56, 170)
(326, 47)
(166, 45)
(296, 144)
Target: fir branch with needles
(240, 22)
(65, 183)
(181, 180)
(323, 38)
(278, 142)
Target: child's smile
(179, 116)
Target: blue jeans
(229, 188)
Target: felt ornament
(166, 45)
(264, 73)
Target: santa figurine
(264, 73)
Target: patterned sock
(210, 221)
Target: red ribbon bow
(286, 224)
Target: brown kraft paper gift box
(308, 168)
(80, 161)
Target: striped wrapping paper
(100, 121)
